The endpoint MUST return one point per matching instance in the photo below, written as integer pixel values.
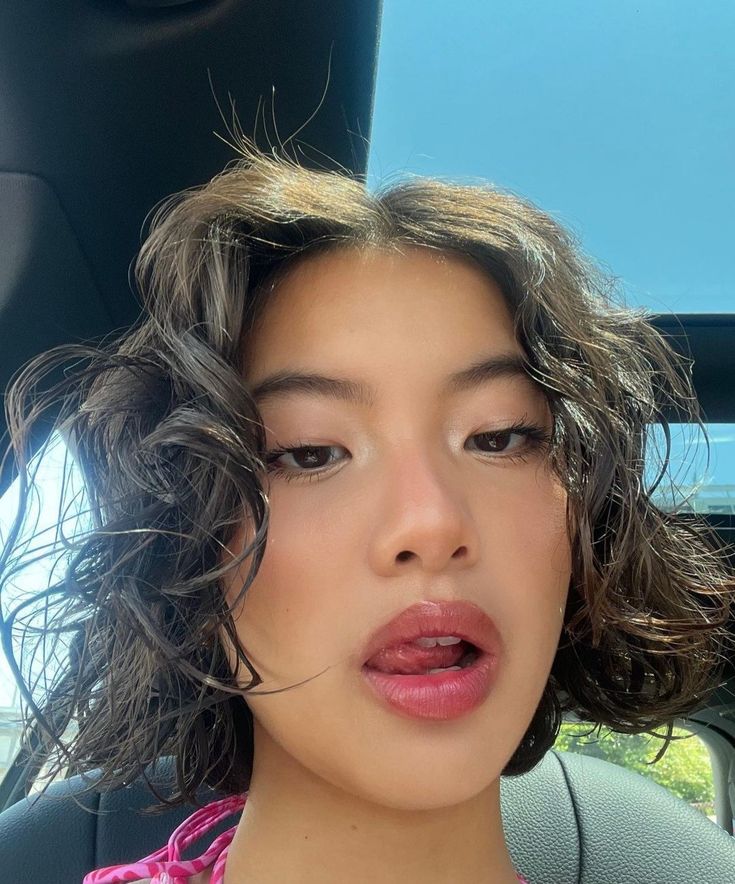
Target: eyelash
(537, 438)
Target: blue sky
(616, 116)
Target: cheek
(305, 561)
(291, 614)
(529, 554)
(527, 541)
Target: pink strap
(165, 866)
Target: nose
(424, 521)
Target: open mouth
(438, 683)
(469, 657)
(408, 659)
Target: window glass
(685, 769)
(52, 503)
(9, 730)
(702, 479)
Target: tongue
(408, 659)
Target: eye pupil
(493, 441)
(311, 457)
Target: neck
(299, 827)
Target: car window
(685, 770)
(55, 515)
(701, 471)
(615, 116)
(9, 726)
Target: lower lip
(441, 696)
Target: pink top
(165, 866)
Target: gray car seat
(571, 820)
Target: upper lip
(463, 619)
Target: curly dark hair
(123, 660)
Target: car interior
(109, 106)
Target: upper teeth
(437, 640)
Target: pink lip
(441, 695)
(429, 619)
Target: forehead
(368, 307)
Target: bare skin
(409, 507)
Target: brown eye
(494, 442)
(311, 458)
(516, 442)
(304, 458)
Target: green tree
(685, 768)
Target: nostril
(406, 555)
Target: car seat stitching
(577, 818)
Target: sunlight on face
(379, 475)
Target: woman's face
(404, 490)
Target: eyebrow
(287, 382)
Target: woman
(369, 517)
